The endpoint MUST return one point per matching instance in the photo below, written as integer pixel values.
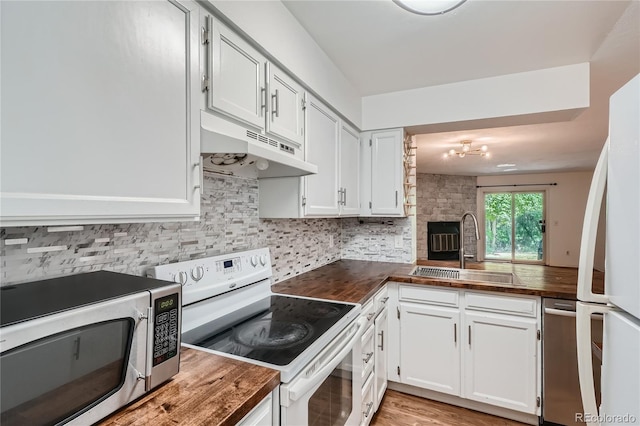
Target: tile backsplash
(229, 222)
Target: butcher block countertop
(208, 390)
(352, 281)
(215, 390)
(356, 280)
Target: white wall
(522, 94)
(564, 211)
(274, 28)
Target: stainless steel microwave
(77, 348)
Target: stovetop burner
(272, 334)
(274, 330)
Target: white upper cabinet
(383, 173)
(322, 195)
(100, 117)
(286, 106)
(334, 147)
(237, 76)
(349, 171)
(244, 85)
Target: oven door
(328, 391)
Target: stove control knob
(181, 278)
(254, 261)
(197, 273)
(263, 260)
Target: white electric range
(229, 310)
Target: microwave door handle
(150, 331)
(590, 230)
(585, 362)
(302, 386)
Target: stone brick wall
(444, 198)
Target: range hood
(246, 151)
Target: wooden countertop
(215, 390)
(356, 280)
(208, 390)
(352, 281)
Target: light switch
(398, 242)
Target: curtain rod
(518, 184)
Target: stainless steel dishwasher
(561, 398)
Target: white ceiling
(382, 48)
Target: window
(514, 226)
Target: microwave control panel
(165, 339)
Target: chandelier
(467, 150)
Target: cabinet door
(237, 76)
(100, 122)
(380, 370)
(429, 347)
(321, 189)
(261, 415)
(286, 107)
(500, 360)
(349, 170)
(387, 192)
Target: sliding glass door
(514, 226)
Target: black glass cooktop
(275, 330)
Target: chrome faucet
(475, 224)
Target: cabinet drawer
(504, 304)
(368, 312)
(367, 402)
(430, 295)
(368, 352)
(380, 299)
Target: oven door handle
(302, 386)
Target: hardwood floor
(399, 409)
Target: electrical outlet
(331, 241)
(398, 242)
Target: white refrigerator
(618, 170)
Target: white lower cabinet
(374, 354)
(262, 414)
(381, 337)
(429, 347)
(500, 360)
(368, 401)
(477, 346)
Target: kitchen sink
(466, 274)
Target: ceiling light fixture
(506, 165)
(467, 150)
(429, 7)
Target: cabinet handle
(469, 335)
(370, 315)
(344, 194)
(385, 299)
(339, 196)
(369, 408)
(275, 99)
(367, 358)
(199, 185)
(381, 334)
(396, 198)
(455, 333)
(263, 100)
